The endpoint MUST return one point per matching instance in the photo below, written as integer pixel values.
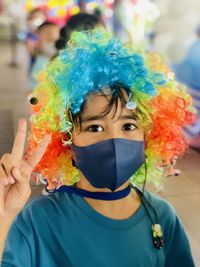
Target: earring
(68, 141)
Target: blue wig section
(94, 62)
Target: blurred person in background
(187, 72)
(34, 19)
(79, 22)
(50, 41)
(98, 14)
(1, 6)
(48, 34)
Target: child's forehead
(50, 27)
(97, 103)
(104, 95)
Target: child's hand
(15, 173)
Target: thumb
(19, 176)
(16, 173)
(21, 183)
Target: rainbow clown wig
(93, 61)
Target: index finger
(19, 142)
(39, 152)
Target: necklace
(96, 195)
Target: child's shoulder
(163, 207)
(48, 200)
(44, 206)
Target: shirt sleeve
(17, 252)
(179, 252)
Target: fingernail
(11, 180)
(17, 172)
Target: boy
(109, 113)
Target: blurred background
(33, 32)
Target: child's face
(49, 33)
(120, 123)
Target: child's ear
(74, 135)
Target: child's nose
(113, 133)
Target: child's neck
(115, 209)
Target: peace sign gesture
(15, 173)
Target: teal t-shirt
(63, 230)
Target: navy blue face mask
(109, 164)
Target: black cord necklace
(157, 234)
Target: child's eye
(95, 128)
(129, 127)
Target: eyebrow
(100, 117)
